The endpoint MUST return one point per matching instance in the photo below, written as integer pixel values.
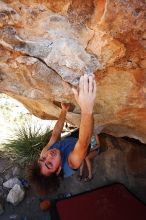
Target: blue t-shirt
(66, 146)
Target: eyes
(48, 164)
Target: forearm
(59, 124)
(85, 132)
(56, 131)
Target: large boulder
(45, 46)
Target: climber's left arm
(85, 97)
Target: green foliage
(28, 141)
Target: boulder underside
(45, 46)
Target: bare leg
(92, 154)
(88, 158)
(88, 162)
(81, 168)
(81, 172)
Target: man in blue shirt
(66, 155)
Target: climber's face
(50, 162)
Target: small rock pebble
(15, 195)
(12, 216)
(11, 183)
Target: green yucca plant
(28, 141)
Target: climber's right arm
(56, 134)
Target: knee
(87, 158)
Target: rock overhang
(45, 48)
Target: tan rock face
(45, 46)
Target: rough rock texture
(45, 46)
(120, 161)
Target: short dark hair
(42, 184)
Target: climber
(65, 156)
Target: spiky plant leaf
(28, 141)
